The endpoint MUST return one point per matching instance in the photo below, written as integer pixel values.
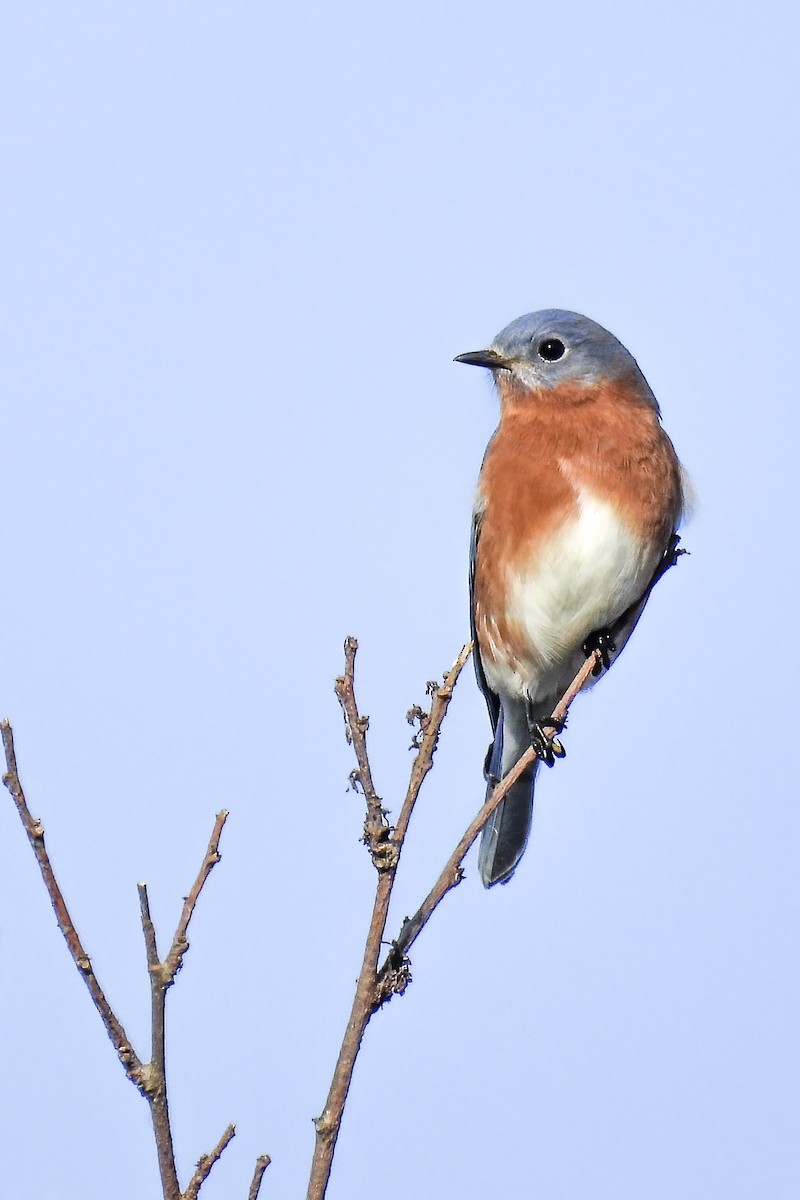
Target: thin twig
(148, 929)
(149, 1078)
(174, 960)
(162, 976)
(261, 1165)
(385, 844)
(155, 1072)
(430, 727)
(376, 825)
(34, 829)
(452, 873)
(206, 1162)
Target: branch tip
(261, 1165)
(206, 1162)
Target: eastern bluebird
(579, 497)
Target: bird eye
(551, 349)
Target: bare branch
(206, 1162)
(261, 1165)
(35, 832)
(174, 960)
(162, 976)
(430, 725)
(376, 826)
(154, 1073)
(149, 1078)
(148, 929)
(375, 987)
(385, 845)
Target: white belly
(587, 574)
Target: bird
(579, 498)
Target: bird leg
(548, 748)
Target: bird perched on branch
(579, 497)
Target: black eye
(551, 349)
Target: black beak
(484, 358)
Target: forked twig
(34, 829)
(150, 1077)
(154, 1074)
(385, 844)
(375, 986)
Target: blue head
(553, 347)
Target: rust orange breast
(550, 446)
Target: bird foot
(603, 641)
(548, 748)
(671, 555)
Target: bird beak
(484, 358)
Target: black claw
(602, 640)
(542, 745)
(547, 747)
(671, 555)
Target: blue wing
(494, 753)
(504, 839)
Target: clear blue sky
(241, 245)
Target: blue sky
(241, 246)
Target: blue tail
(505, 835)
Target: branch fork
(148, 1077)
(378, 984)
